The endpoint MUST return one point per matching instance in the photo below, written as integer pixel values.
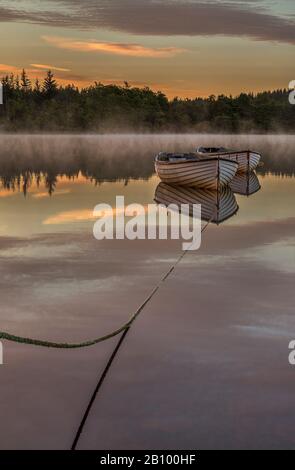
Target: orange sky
(185, 48)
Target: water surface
(59, 283)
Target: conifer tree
(25, 81)
(49, 85)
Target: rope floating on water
(51, 344)
(114, 354)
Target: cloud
(69, 217)
(168, 17)
(5, 68)
(45, 194)
(87, 214)
(7, 193)
(133, 50)
(196, 19)
(49, 67)
(62, 75)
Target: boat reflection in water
(217, 206)
(245, 184)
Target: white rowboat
(216, 206)
(187, 169)
(247, 159)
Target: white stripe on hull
(210, 173)
(216, 206)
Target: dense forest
(45, 106)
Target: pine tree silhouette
(49, 85)
(25, 81)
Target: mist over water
(121, 157)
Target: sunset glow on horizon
(185, 48)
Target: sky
(185, 48)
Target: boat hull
(245, 184)
(247, 159)
(216, 206)
(210, 173)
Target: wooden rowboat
(216, 206)
(245, 184)
(247, 159)
(187, 169)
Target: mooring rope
(51, 344)
(116, 351)
(101, 380)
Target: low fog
(123, 157)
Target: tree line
(48, 107)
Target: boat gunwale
(230, 152)
(209, 159)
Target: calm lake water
(206, 363)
